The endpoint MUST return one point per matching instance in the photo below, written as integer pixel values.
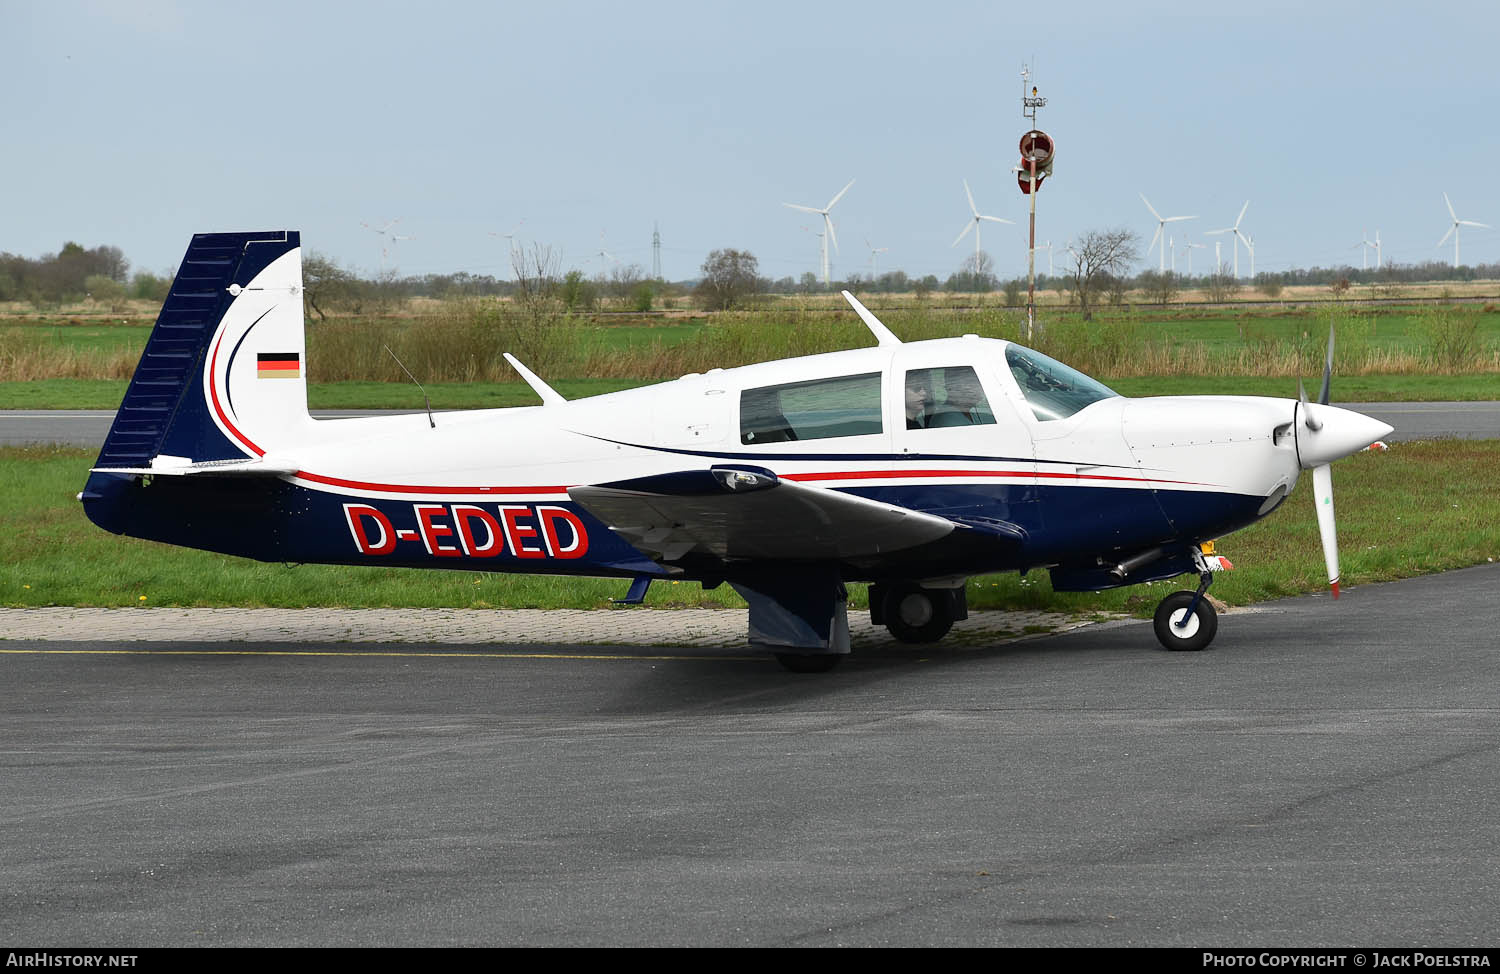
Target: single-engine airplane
(912, 466)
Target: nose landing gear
(1186, 621)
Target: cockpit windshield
(1053, 390)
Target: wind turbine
(1190, 248)
(1365, 248)
(873, 252)
(1161, 223)
(1453, 230)
(827, 225)
(973, 224)
(1238, 239)
(391, 236)
(605, 257)
(1048, 248)
(510, 241)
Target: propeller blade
(996, 219)
(1154, 238)
(1242, 213)
(1323, 497)
(1450, 206)
(831, 235)
(963, 233)
(1327, 369)
(970, 194)
(804, 209)
(1309, 418)
(1150, 207)
(1447, 235)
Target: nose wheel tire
(917, 615)
(1181, 631)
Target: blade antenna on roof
(550, 396)
(883, 335)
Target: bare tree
(729, 277)
(1098, 257)
(1221, 285)
(624, 279)
(1160, 287)
(1269, 284)
(536, 278)
(324, 283)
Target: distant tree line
(1095, 270)
(75, 273)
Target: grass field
(1419, 508)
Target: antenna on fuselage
(883, 335)
(419, 386)
(550, 396)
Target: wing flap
(735, 513)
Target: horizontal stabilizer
(164, 466)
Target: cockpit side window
(946, 396)
(847, 405)
(1052, 389)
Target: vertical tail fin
(223, 375)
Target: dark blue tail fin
(167, 409)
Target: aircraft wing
(734, 513)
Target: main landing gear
(914, 614)
(1186, 621)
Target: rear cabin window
(814, 410)
(948, 396)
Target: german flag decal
(278, 365)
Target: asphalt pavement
(1323, 775)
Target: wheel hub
(1184, 624)
(915, 609)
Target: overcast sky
(138, 123)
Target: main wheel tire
(917, 615)
(809, 662)
(1178, 631)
